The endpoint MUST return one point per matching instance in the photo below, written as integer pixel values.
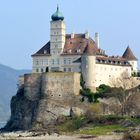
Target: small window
(37, 62)
(65, 69)
(56, 46)
(37, 70)
(65, 62)
(52, 61)
(69, 69)
(58, 61)
(69, 61)
(45, 51)
(42, 70)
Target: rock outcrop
(43, 98)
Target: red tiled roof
(73, 46)
(112, 60)
(128, 54)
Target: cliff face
(43, 98)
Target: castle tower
(57, 40)
(128, 54)
(57, 33)
(88, 67)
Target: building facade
(80, 53)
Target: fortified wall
(42, 98)
(52, 85)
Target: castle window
(37, 62)
(42, 70)
(52, 61)
(58, 61)
(46, 62)
(56, 46)
(69, 61)
(69, 69)
(65, 69)
(45, 51)
(109, 61)
(65, 62)
(78, 50)
(37, 70)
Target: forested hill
(8, 88)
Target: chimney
(72, 35)
(97, 40)
(87, 35)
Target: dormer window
(69, 51)
(45, 51)
(78, 50)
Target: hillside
(8, 87)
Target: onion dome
(57, 15)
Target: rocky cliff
(43, 98)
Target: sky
(25, 26)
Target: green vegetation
(93, 97)
(87, 93)
(72, 124)
(136, 74)
(97, 124)
(102, 129)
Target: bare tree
(124, 81)
(125, 92)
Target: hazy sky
(25, 26)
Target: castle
(80, 53)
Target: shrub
(132, 136)
(88, 94)
(72, 124)
(93, 112)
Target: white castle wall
(105, 73)
(134, 65)
(42, 62)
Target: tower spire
(57, 7)
(57, 15)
